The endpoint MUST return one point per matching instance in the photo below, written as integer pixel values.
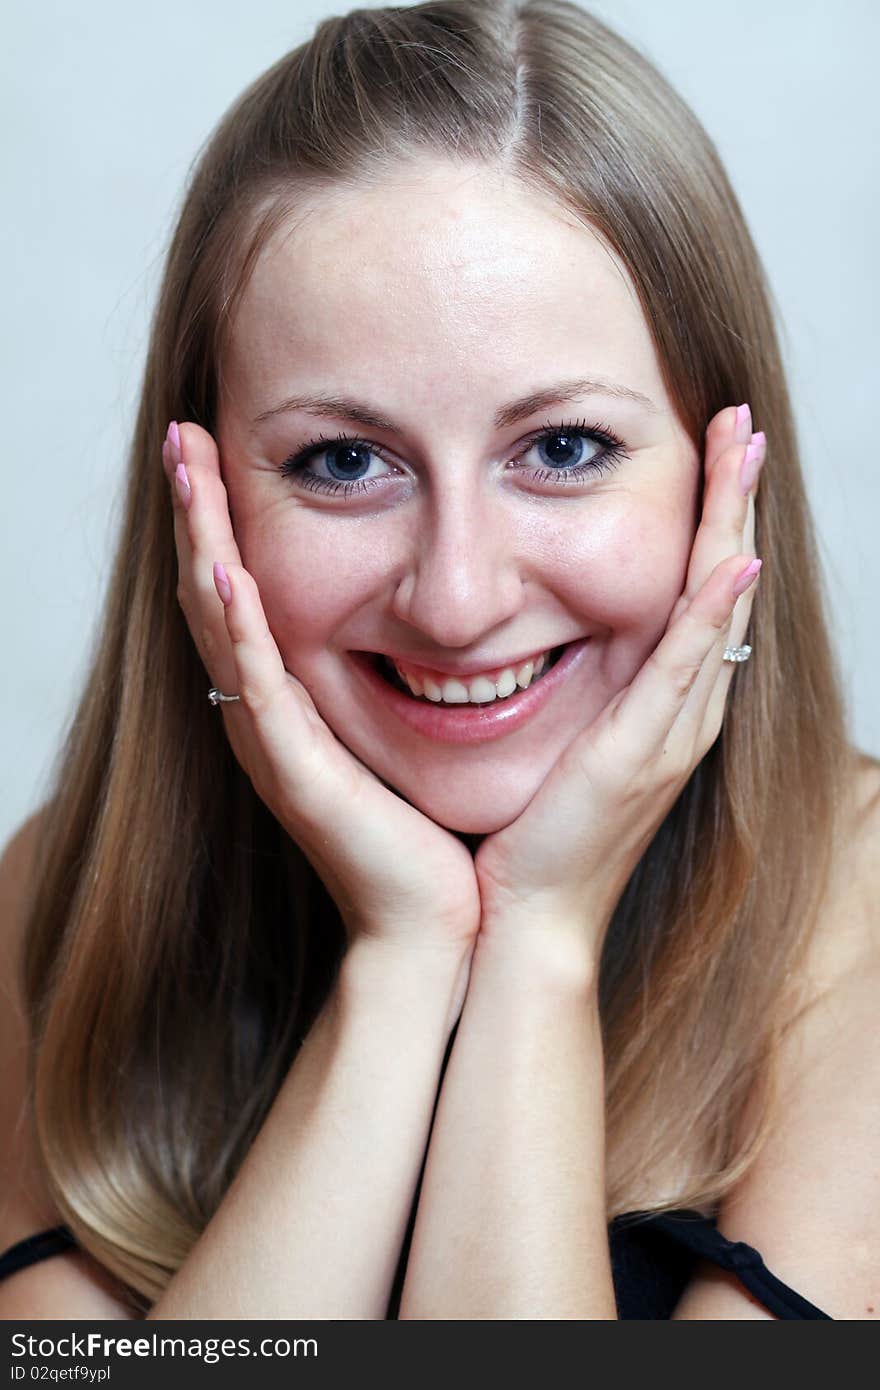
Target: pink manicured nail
(184, 491)
(745, 577)
(221, 583)
(743, 429)
(172, 439)
(751, 464)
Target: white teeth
(479, 690)
(454, 692)
(524, 675)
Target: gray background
(105, 106)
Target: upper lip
(470, 668)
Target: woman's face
(437, 300)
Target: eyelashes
(610, 451)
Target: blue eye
(347, 455)
(564, 447)
(567, 440)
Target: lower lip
(471, 723)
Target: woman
(496, 947)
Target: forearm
(511, 1220)
(313, 1223)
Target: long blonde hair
(179, 945)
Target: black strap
(700, 1234)
(689, 1228)
(35, 1248)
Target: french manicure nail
(181, 483)
(221, 582)
(743, 429)
(751, 464)
(172, 439)
(745, 577)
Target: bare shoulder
(25, 1205)
(809, 1203)
(15, 865)
(847, 937)
(15, 870)
(70, 1284)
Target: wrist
(553, 955)
(427, 980)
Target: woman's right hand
(395, 875)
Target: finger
(732, 425)
(203, 533)
(723, 519)
(729, 517)
(179, 491)
(725, 511)
(708, 713)
(658, 694)
(743, 609)
(337, 809)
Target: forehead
(436, 277)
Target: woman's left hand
(562, 865)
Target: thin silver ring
(216, 696)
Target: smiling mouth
(387, 670)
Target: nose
(463, 575)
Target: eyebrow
(344, 408)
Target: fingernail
(745, 577)
(743, 429)
(181, 483)
(751, 464)
(221, 583)
(172, 439)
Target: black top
(35, 1248)
(652, 1259)
(653, 1256)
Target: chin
(472, 818)
(482, 801)
(470, 823)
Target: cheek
(622, 576)
(629, 567)
(311, 578)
